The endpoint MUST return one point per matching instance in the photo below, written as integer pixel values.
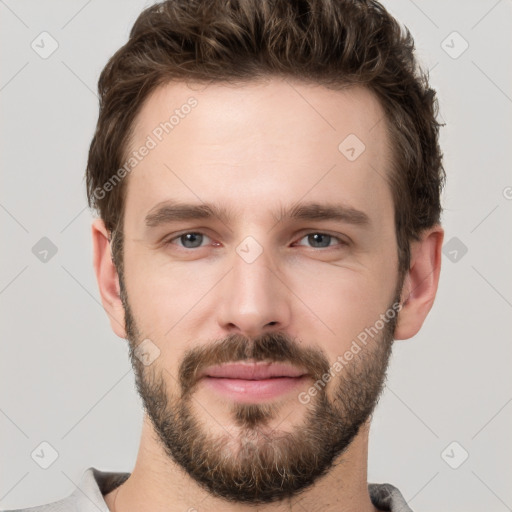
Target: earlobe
(107, 277)
(421, 282)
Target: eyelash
(342, 243)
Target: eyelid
(177, 236)
(343, 240)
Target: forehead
(276, 139)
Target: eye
(194, 240)
(189, 240)
(323, 240)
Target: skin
(255, 149)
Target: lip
(253, 382)
(253, 371)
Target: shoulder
(88, 495)
(64, 505)
(388, 497)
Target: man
(267, 176)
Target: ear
(106, 275)
(420, 283)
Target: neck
(157, 484)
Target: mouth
(253, 381)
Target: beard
(254, 463)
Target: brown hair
(335, 43)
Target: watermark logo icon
(454, 45)
(455, 249)
(44, 45)
(249, 249)
(146, 352)
(352, 147)
(454, 455)
(44, 455)
(44, 250)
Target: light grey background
(66, 378)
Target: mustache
(274, 347)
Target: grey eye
(191, 240)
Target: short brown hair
(335, 43)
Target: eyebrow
(171, 211)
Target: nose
(253, 298)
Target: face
(260, 278)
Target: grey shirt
(94, 484)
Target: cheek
(336, 305)
(164, 298)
